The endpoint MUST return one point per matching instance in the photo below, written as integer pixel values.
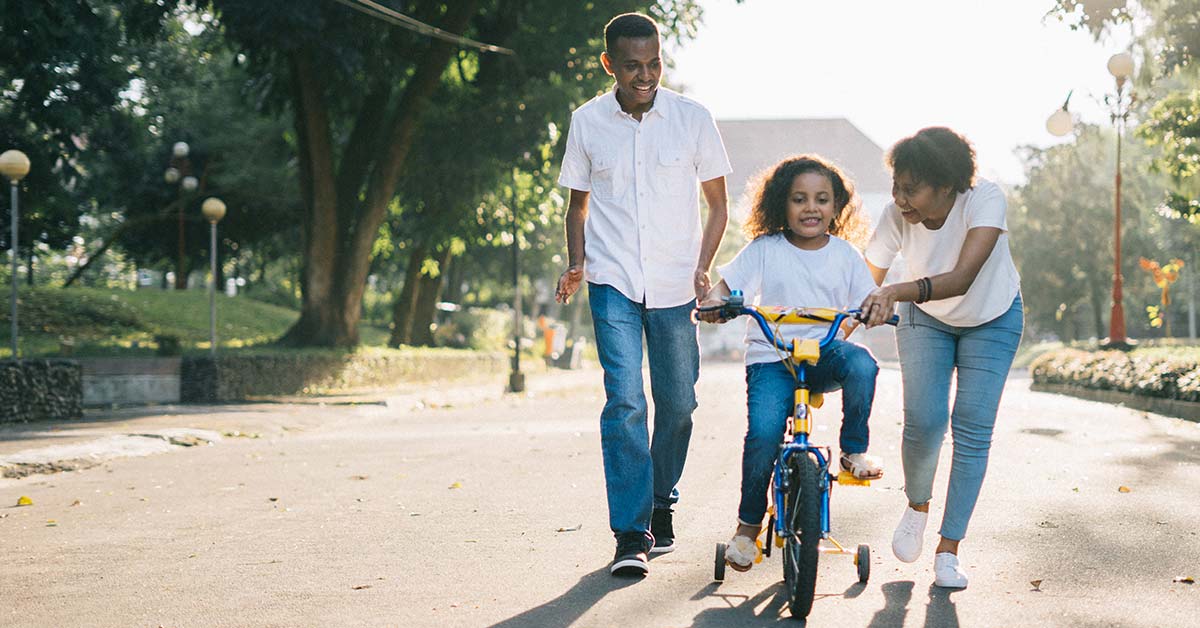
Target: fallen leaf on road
(359, 477)
(575, 529)
(361, 587)
(50, 523)
(274, 499)
(1123, 489)
(456, 485)
(1185, 579)
(1047, 524)
(76, 503)
(1076, 489)
(237, 434)
(24, 501)
(1037, 584)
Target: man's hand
(701, 283)
(568, 283)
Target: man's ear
(606, 61)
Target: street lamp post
(516, 379)
(214, 210)
(179, 171)
(14, 165)
(1120, 66)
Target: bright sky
(992, 70)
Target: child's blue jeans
(930, 353)
(770, 395)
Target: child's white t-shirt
(772, 271)
(930, 252)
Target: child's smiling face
(810, 209)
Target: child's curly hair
(768, 210)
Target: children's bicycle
(801, 481)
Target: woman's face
(921, 202)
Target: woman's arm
(976, 249)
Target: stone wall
(40, 390)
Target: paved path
(472, 508)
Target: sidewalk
(102, 435)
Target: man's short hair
(633, 25)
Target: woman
(960, 314)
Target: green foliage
(484, 329)
(62, 66)
(103, 322)
(1061, 223)
(1172, 376)
(319, 371)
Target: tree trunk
(405, 304)
(339, 243)
(427, 300)
(29, 269)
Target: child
(797, 258)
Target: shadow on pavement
(940, 612)
(565, 609)
(896, 596)
(740, 609)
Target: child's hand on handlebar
(709, 311)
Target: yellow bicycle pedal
(778, 541)
(846, 478)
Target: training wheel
(862, 559)
(719, 563)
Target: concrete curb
(1187, 410)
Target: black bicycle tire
(803, 506)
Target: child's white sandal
(863, 466)
(742, 552)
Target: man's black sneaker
(664, 535)
(631, 559)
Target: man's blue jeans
(641, 474)
(770, 396)
(930, 353)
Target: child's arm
(713, 299)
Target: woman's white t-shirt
(930, 252)
(772, 271)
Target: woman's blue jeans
(930, 353)
(640, 474)
(770, 396)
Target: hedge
(232, 377)
(1146, 375)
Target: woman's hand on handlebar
(879, 306)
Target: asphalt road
(457, 507)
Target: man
(633, 157)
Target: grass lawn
(98, 322)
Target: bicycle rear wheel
(803, 511)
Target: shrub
(1165, 376)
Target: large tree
(359, 88)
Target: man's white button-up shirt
(642, 234)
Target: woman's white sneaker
(947, 572)
(907, 539)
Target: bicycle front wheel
(803, 508)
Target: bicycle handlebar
(734, 306)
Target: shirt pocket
(606, 176)
(673, 173)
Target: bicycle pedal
(846, 478)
